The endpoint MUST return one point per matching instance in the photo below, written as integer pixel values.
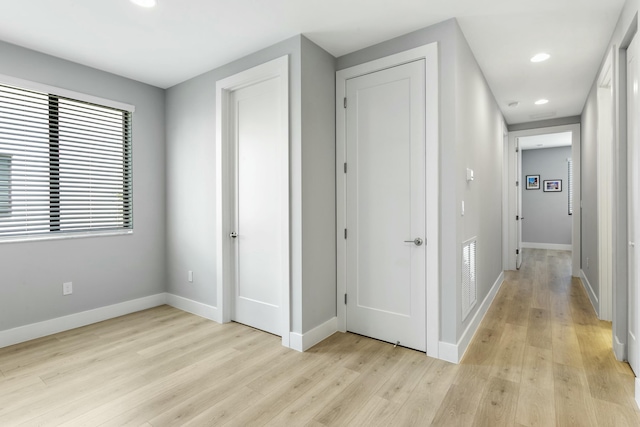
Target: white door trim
(575, 156)
(430, 54)
(277, 68)
(604, 163)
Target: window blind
(65, 165)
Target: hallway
(542, 355)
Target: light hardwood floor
(540, 358)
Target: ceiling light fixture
(144, 3)
(540, 57)
(542, 101)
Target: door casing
(430, 54)
(275, 69)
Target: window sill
(65, 236)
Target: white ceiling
(180, 39)
(550, 140)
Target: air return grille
(469, 277)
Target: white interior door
(255, 117)
(633, 186)
(385, 152)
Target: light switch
(469, 174)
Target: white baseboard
(592, 295)
(619, 349)
(448, 352)
(550, 246)
(638, 392)
(303, 342)
(454, 352)
(77, 320)
(194, 307)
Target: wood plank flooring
(539, 358)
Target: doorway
(252, 165)
(387, 187)
(518, 184)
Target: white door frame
(605, 156)
(520, 184)
(275, 69)
(430, 54)
(511, 218)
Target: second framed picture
(552, 185)
(533, 182)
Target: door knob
(417, 241)
(233, 234)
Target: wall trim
(619, 349)
(592, 295)
(549, 246)
(194, 307)
(77, 320)
(454, 352)
(638, 392)
(303, 342)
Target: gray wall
(191, 183)
(479, 145)
(318, 186)
(104, 270)
(470, 136)
(545, 123)
(546, 214)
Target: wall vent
(469, 277)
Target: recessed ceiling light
(144, 3)
(541, 101)
(540, 57)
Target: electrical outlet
(190, 276)
(67, 288)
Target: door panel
(255, 128)
(633, 186)
(386, 205)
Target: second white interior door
(385, 152)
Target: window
(65, 165)
(570, 179)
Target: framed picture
(533, 182)
(553, 185)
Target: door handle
(417, 241)
(233, 234)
